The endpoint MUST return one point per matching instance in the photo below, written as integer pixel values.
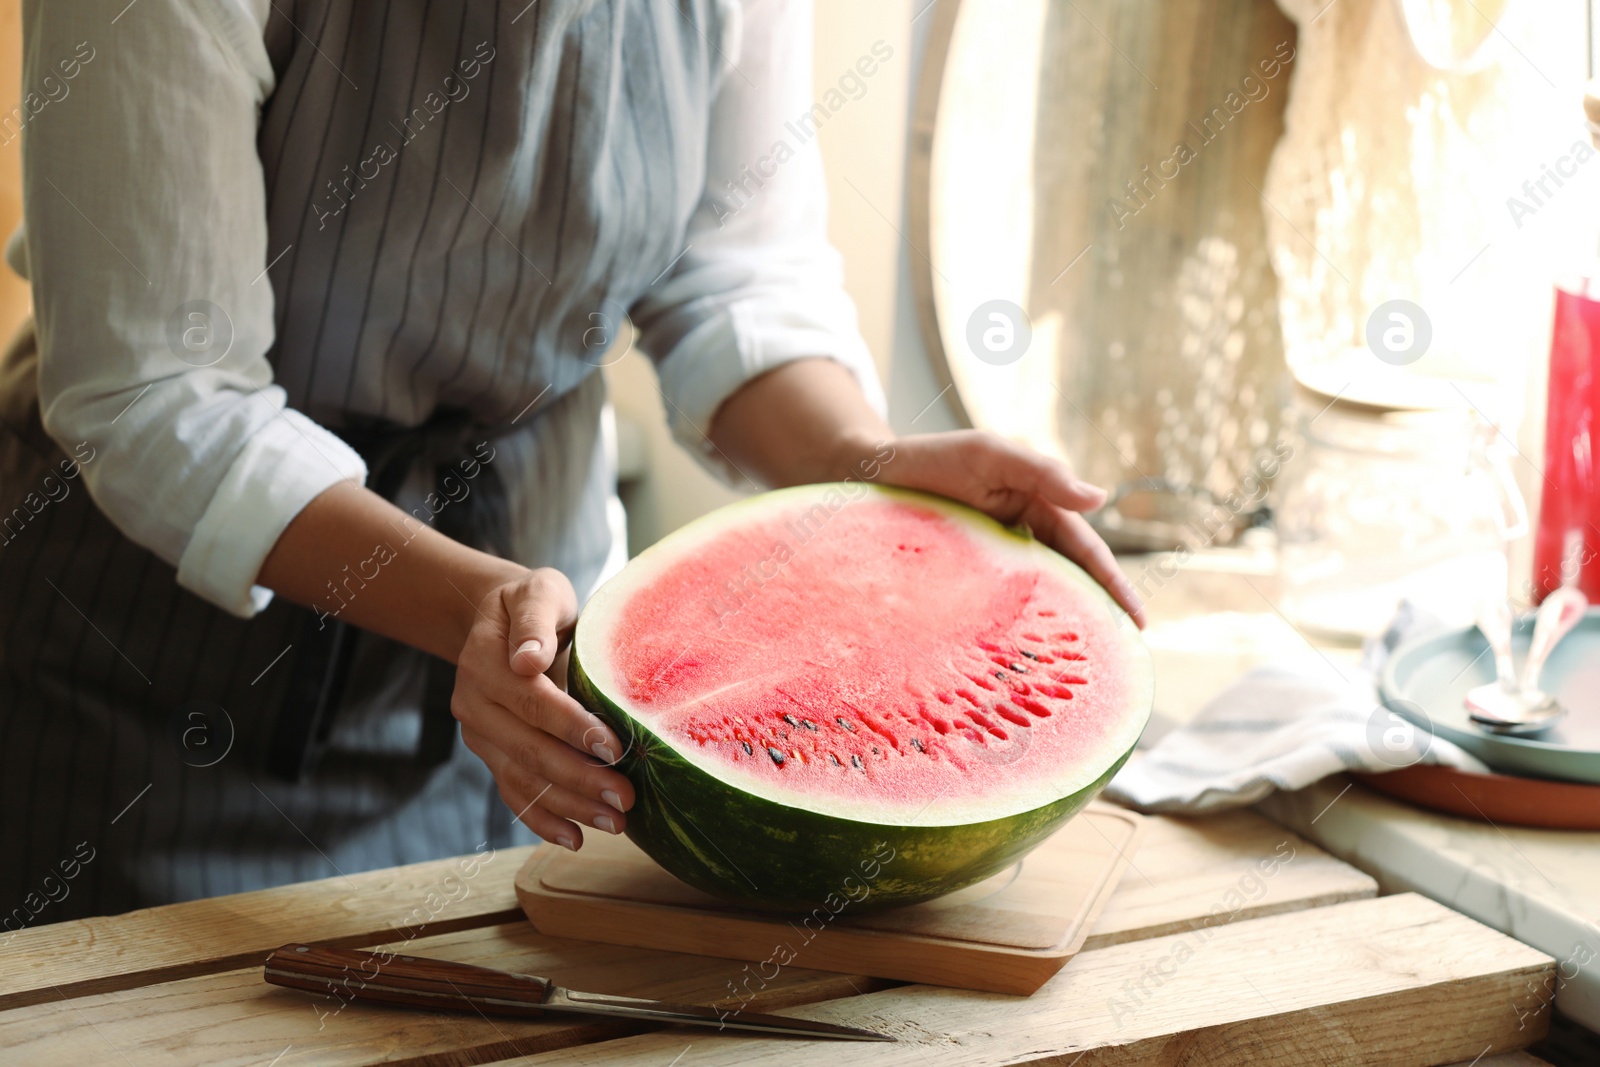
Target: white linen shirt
(219, 159)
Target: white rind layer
(594, 641)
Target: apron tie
(479, 519)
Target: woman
(314, 426)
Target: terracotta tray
(1495, 798)
(1008, 934)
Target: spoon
(1509, 706)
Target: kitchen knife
(441, 985)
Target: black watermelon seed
(1030, 655)
(777, 757)
(748, 751)
(875, 751)
(1000, 675)
(846, 725)
(808, 724)
(855, 761)
(835, 760)
(790, 720)
(1019, 668)
(917, 744)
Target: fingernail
(603, 752)
(566, 842)
(530, 647)
(610, 797)
(606, 823)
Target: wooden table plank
(1396, 981)
(1180, 859)
(1192, 867)
(235, 1018)
(46, 963)
(1241, 865)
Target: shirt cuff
(282, 468)
(713, 360)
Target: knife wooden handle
(411, 981)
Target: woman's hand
(501, 625)
(1014, 485)
(548, 755)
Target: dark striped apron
(176, 746)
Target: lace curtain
(1434, 151)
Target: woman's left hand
(1013, 484)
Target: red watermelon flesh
(883, 657)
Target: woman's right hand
(550, 757)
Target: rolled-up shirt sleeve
(146, 244)
(757, 284)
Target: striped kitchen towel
(1284, 726)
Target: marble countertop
(1209, 624)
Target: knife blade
(443, 985)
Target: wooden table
(1199, 959)
(1214, 619)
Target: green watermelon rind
(765, 855)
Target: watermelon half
(843, 693)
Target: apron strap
(327, 646)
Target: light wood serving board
(1008, 934)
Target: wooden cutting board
(1008, 934)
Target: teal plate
(1427, 677)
